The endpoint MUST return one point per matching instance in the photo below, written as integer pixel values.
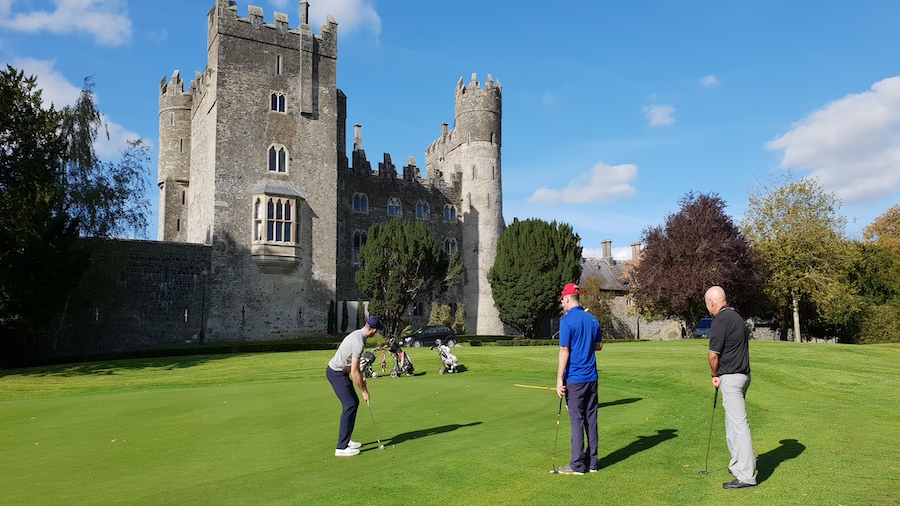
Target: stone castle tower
(472, 152)
(253, 163)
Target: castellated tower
(174, 158)
(471, 152)
(248, 165)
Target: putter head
(701, 472)
(553, 471)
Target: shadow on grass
(620, 401)
(767, 462)
(638, 445)
(416, 434)
(114, 367)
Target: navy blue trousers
(343, 388)
(582, 403)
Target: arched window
(359, 239)
(422, 210)
(393, 208)
(450, 213)
(451, 247)
(278, 159)
(360, 203)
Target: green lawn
(261, 429)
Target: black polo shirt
(729, 337)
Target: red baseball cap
(570, 289)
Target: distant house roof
(608, 270)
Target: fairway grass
(261, 429)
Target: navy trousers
(343, 388)
(582, 403)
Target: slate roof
(607, 269)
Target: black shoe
(736, 484)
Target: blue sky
(612, 111)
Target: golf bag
(365, 364)
(402, 363)
(448, 359)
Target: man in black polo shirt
(729, 361)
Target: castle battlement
(228, 16)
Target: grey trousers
(737, 427)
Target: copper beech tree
(697, 247)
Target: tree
(885, 230)
(332, 318)
(401, 264)
(440, 314)
(598, 302)
(345, 317)
(534, 260)
(53, 190)
(795, 227)
(697, 247)
(459, 320)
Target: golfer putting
(576, 379)
(343, 372)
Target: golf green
(261, 429)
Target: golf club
(711, 418)
(558, 413)
(380, 446)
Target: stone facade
(253, 164)
(136, 295)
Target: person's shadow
(767, 462)
(638, 445)
(617, 402)
(416, 434)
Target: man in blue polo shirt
(576, 378)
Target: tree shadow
(113, 367)
(416, 434)
(767, 462)
(638, 445)
(620, 401)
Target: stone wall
(136, 295)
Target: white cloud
(851, 145)
(106, 20)
(709, 81)
(603, 183)
(660, 115)
(351, 15)
(56, 89)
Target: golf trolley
(402, 363)
(449, 362)
(365, 364)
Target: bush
(879, 325)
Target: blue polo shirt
(579, 331)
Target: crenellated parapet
(224, 19)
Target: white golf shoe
(346, 452)
(353, 444)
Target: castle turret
(174, 158)
(471, 152)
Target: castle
(253, 164)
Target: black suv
(426, 336)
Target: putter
(711, 417)
(558, 413)
(380, 446)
